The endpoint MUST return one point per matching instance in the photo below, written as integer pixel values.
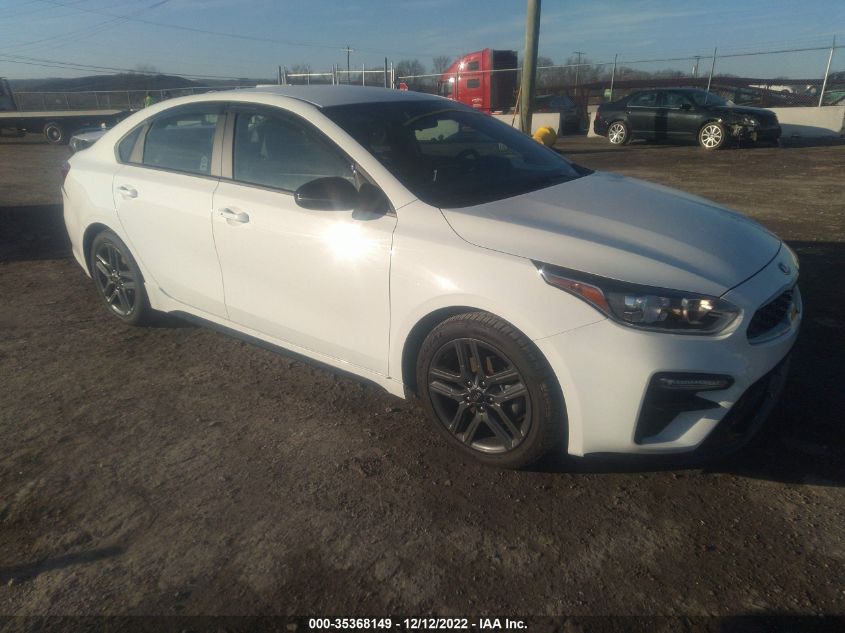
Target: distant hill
(123, 81)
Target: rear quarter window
(181, 142)
(125, 147)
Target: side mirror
(327, 194)
(372, 203)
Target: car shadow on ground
(667, 145)
(803, 442)
(28, 571)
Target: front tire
(118, 279)
(618, 134)
(712, 135)
(489, 392)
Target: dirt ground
(173, 470)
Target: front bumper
(605, 369)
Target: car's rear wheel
(617, 133)
(712, 135)
(118, 279)
(489, 391)
(54, 133)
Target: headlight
(645, 307)
(750, 121)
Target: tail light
(65, 172)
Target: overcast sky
(269, 33)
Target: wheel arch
(414, 340)
(424, 326)
(88, 239)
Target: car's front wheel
(489, 391)
(712, 135)
(118, 280)
(617, 133)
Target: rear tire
(489, 391)
(118, 279)
(618, 134)
(55, 133)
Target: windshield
(707, 98)
(450, 156)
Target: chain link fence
(745, 77)
(104, 99)
(804, 76)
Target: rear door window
(643, 100)
(182, 142)
(674, 100)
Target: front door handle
(233, 216)
(127, 192)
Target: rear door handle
(231, 216)
(127, 192)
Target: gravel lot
(172, 470)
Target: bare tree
(440, 63)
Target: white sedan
(531, 304)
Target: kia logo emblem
(783, 268)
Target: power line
(254, 38)
(88, 30)
(54, 63)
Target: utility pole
(529, 65)
(695, 67)
(577, 68)
(710, 78)
(348, 68)
(827, 71)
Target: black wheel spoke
(478, 374)
(125, 305)
(458, 418)
(463, 360)
(510, 393)
(472, 429)
(445, 390)
(513, 429)
(102, 266)
(446, 376)
(507, 375)
(494, 425)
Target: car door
(677, 117)
(642, 113)
(163, 196)
(316, 279)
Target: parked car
(570, 113)
(533, 305)
(683, 113)
(85, 138)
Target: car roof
(327, 96)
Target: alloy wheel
(711, 136)
(616, 133)
(115, 279)
(479, 395)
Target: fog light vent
(671, 393)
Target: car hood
(625, 229)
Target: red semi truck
(485, 80)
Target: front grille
(773, 314)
